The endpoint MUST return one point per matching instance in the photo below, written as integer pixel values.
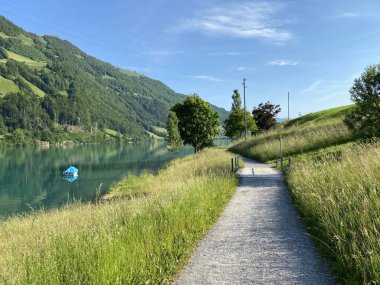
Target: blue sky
(313, 48)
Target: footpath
(259, 239)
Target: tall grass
(142, 237)
(339, 197)
(295, 140)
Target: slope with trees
(71, 90)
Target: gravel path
(259, 239)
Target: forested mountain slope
(48, 87)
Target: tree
(198, 124)
(236, 101)
(265, 115)
(364, 119)
(234, 125)
(3, 53)
(173, 136)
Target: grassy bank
(339, 198)
(308, 133)
(335, 184)
(142, 237)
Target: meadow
(316, 131)
(142, 232)
(335, 183)
(338, 196)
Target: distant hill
(49, 87)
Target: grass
(295, 140)
(141, 234)
(63, 92)
(338, 195)
(25, 40)
(35, 89)
(154, 136)
(111, 133)
(335, 184)
(30, 62)
(7, 86)
(159, 129)
(320, 116)
(130, 72)
(3, 35)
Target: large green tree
(265, 115)
(365, 117)
(173, 137)
(234, 125)
(198, 124)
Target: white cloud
(227, 53)
(244, 68)
(281, 62)
(312, 87)
(247, 20)
(165, 52)
(348, 15)
(206, 77)
(328, 89)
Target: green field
(334, 181)
(159, 129)
(309, 133)
(30, 62)
(143, 232)
(25, 40)
(63, 92)
(154, 136)
(2, 35)
(130, 72)
(7, 86)
(35, 89)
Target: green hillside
(60, 86)
(309, 133)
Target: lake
(31, 177)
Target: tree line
(193, 122)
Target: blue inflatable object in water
(72, 171)
(71, 179)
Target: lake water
(31, 178)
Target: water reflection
(70, 179)
(32, 176)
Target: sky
(313, 49)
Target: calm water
(31, 178)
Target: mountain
(49, 88)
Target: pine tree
(173, 136)
(236, 101)
(234, 125)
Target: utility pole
(245, 115)
(288, 107)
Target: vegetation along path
(259, 238)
